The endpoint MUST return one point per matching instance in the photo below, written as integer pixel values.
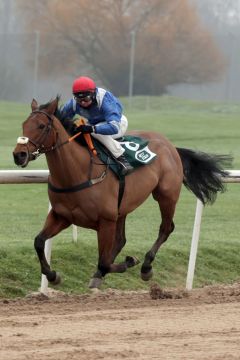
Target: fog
(21, 79)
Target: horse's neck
(68, 163)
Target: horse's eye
(41, 126)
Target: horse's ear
(34, 104)
(52, 106)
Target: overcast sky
(227, 11)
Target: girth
(78, 187)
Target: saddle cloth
(136, 152)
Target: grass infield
(209, 127)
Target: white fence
(41, 176)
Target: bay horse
(83, 191)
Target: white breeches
(108, 140)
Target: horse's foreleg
(120, 238)
(120, 241)
(109, 245)
(167, 209)
(53, 225)
(106, 235)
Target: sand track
(173, 324)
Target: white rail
(23, 176)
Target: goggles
(85, 97)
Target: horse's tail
(203, 173)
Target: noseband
(39, 143)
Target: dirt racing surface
(203, 324)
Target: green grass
(210, 127)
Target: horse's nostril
(20, 157)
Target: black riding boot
(126, 167)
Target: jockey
(103, 113)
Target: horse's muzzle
(21, 158)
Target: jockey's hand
(85, 129)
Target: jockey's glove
(85, 129)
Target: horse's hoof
(57, 280)
(147, 276)
(95, 283)
(131, 261)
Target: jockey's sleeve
(109, 128)
(112, 112)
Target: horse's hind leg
(53, 225)
(167, 208)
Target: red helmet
(83, 84)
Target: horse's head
(39, 135)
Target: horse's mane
(57, 112)
(66, 122)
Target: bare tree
(171, 44)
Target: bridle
(40, 148)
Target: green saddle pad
(136, 152)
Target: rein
(41, 149)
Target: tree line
(90, 37)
